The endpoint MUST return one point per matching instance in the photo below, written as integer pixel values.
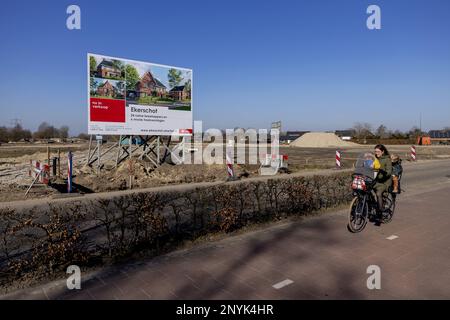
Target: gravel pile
(321, 140)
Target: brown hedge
(43, 240)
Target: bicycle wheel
(389, 207)
(357, 218)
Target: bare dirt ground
(15, 165)
(15, 159)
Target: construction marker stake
(230, 166)
(338, 159)
(69, 172)
(413, 153)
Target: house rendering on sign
(150, 86)
(106, 89)
(106, 69)
(180, 93)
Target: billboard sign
(128, 97)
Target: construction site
(311, 152)
(307, 159)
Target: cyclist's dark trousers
(379, 189)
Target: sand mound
(321, 140)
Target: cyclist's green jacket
(385, 173)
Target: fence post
(59, 163)
(54, 164)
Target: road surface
(316, 258)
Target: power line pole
(421, 122)
(15, 122)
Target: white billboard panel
(128, 97)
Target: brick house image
(180, 93)
(150, 86)
(106, 69)
(106, 89)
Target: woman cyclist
(383, 181)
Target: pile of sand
(321, 140)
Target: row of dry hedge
(45, 239)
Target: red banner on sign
(107, 110)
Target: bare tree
(398, 135)
(382, 132)
(46, 131)
(83, 136)
(4, 134)
(362, 130)
(415, 132)
(14, 134)
(63, 132)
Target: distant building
(345, 134)
(296, 134)
(439, 134)
(291, 136)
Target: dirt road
(15, 166)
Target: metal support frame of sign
(96, 153)
(124, 150)
(175, 152)
(152, 148)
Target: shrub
(49, 238)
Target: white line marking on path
(393, 237)
(282, 284)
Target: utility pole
(420, 121)
(15, 122)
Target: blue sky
(312, 64)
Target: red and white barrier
(413, 153)
(69, 172)
(39, 171)
(33, 166)
(338, 159)
(279, 161)
(229, 166)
